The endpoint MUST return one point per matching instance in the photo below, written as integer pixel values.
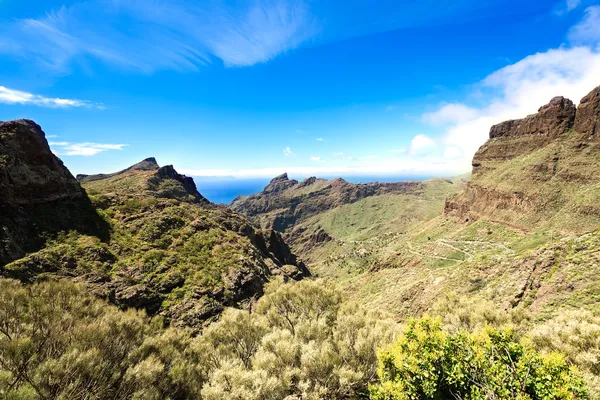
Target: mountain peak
(280, 178)
(147, 164)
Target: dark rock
(553, 119)
(38, 195)
(587, 121)
(188, 185)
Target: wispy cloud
(82, 149)
(12, 96)
(566, 6)
(390, 108)
(588, 30)
(320, 139)
(315, 158)
(288, 152)
(167, 34)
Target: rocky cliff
(159, 245)
(541, 170)
(38, 195)
(283, 203)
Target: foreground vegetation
(300, 339)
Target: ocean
(222, 190)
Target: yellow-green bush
(576, 334)
(429, 363)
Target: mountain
(143, 237)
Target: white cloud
(160, 35)
(420, 145)
(82, 149)
(587, 31)
(288, 152)
(320, 139)
(401, 151)
(453, 153)
(12, 96)
(450, 113)
(315, 158)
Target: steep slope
(165, 248)
(38, 196)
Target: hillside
(142, 237)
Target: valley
(291, 291)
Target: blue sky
(255, 88)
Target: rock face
(29, 172)
(284, 202)
(38, 195)
(552, 120)
(168, 250)
(587, 121)
(538, 167)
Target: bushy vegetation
(300, 339)
(576, 334)
(428, 363)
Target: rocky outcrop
(29, 172)
(38, 195)
(514, 138)
(187, 186)
(532, 168)
(587, 121)
(552, 120)
(284, 202)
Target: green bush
(428, 363)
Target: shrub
(428, 363)
(576, 334)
